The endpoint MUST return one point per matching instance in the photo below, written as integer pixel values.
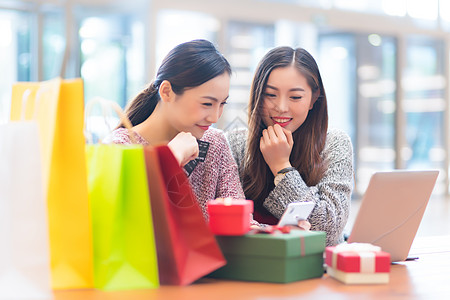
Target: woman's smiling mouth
(282, 121)
(204, 127)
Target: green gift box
(277, 257)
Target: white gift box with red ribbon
(358, 263)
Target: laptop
(391, 210)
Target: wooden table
(428, 277)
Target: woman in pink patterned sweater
(179, 106)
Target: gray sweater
(332, 194)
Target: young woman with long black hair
(288, 154)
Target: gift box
(230, 216)
(276, 257)
(358, 263)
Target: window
(424, 105)
(246, 45)
(376, 105)
(337, 63)
(112, 55)
(176, 27)
(359, 73)
(16, 60)
(53, 44)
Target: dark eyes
(209, 104)
(295, 98)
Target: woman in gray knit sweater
(287, 154)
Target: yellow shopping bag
(59, 109)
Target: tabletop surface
(427, 277)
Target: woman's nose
(214, 116)
(282, 105)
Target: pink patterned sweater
(213, 178)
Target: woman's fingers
(288, 135)
(274, 134)
(184, 146)
(304, 225)
(279, 133)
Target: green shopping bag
(123, 240)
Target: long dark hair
(186, 66)
(309, 138)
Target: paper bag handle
(26, 99)
(107, 104)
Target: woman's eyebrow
(293, 89)
(297, 89)
(271, 87)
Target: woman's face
(200, 107)
(286, 98)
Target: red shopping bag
(186, 248)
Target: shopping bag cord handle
(104, 103)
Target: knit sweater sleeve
(332, 194)
(228, 183)
(237, 139)
(122, 136)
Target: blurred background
(385, 63)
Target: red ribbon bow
(272, 228)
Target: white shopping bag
(24, 250)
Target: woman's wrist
(280, 167)
(176, 154)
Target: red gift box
(230, 216)
(358, 263)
